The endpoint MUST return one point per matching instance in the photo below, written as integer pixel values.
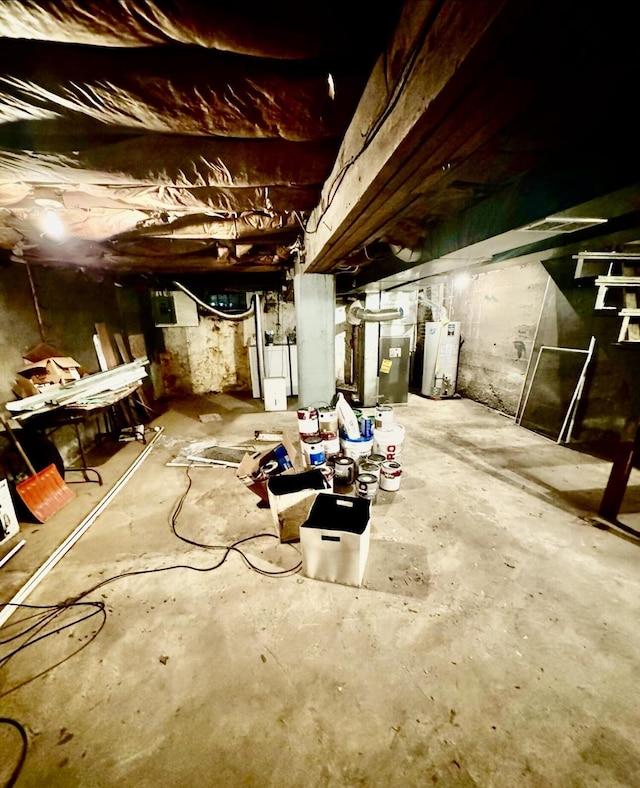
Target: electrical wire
(38, 622)
(33, 632)
(23, 752)
(60, 609)
(230, 548)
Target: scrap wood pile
(100, 388)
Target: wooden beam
(376, 171)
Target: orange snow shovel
(44, 493)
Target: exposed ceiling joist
(390, 137)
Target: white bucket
(358, 449)
(390, 473)
(389, 442)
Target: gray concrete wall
(70, 304)
(499, 311)
(209, 357)
(507, 315)
(18, 325)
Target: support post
(315, 305)
(621, 470)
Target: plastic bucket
(358, 449)
(388, 442)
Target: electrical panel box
(173, 308)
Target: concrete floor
(494, 642)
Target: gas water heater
(440, 366)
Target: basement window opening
(562, 224)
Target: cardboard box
(290, 499)
(51, 371)
(255, 469)
(335, 539)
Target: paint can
(390, 473)
(367, 486)
(331, 446)
(328, 422)
(312, 451)
(378, 459)
(370, 467)
(384, 417)
(389, 442)
(308, 421)
(329, 473)
(344, 471)
(358, 448)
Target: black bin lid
(339, 513)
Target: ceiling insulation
(173, 136)
(158, 130)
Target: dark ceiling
(178, 139)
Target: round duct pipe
(357, 314)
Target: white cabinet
(280, 361)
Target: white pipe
(259, 342)
(11, 553)
(212, 309)
(444, 317)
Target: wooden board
(106, 343)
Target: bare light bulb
(54, 226)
